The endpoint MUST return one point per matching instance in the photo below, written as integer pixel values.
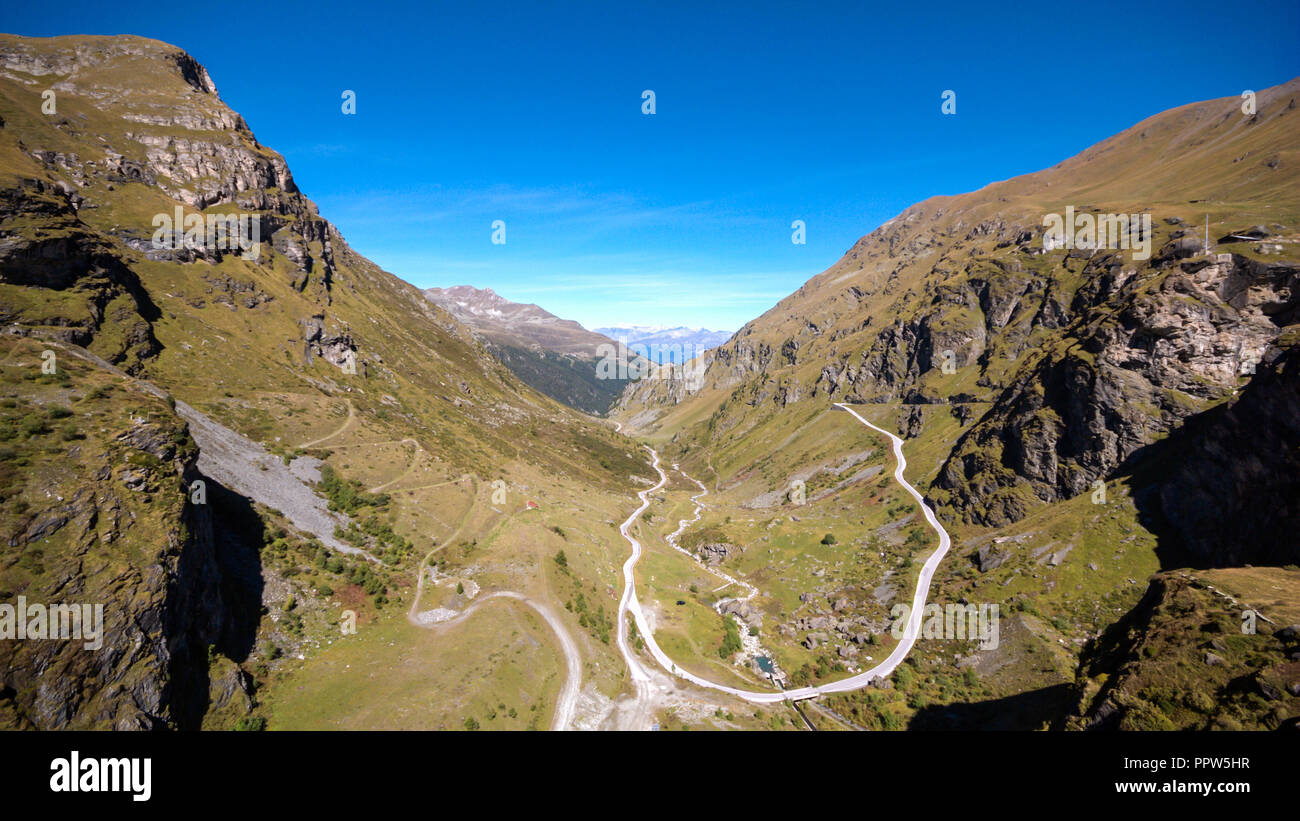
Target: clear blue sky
(530, 112)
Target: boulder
(988, 558)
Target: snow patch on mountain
(663, 343)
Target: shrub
(250, 724)
(347, 495)
(730, 640)
(32, 425)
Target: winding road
(628, 604)
(566, 704)
(229, 458)
(351, 417)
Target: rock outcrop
(127, 539)
(1230, 487)
(1137, 364)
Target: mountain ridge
(558, 357)
(517, 323)
(971, 270)
(302, 340)
(1080, 419)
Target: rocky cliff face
(156, 144)
(121, 534)
(1147, 350)
(1231, 493)
(135, 130)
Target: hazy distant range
(666, 344)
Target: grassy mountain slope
(1048, 396)
(382, 401)
(1122, 348)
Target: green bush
(346, 495)
(250, 724)
(32, 425)
(730, 639)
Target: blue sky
(766, 113)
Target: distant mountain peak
(663, 343)
(556, 356)
(515, 323)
